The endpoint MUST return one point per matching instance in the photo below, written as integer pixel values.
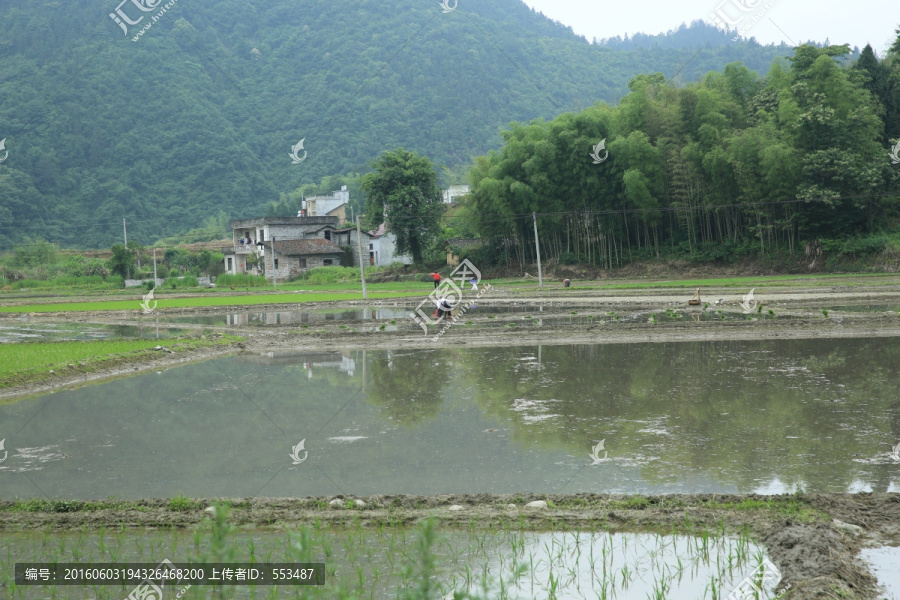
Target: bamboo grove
(733, 163)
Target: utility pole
(154, 267)
(362, 264)
(274, 271)
(125, 232)
(537, 247)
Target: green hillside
(198, 116)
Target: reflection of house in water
(296, 317)
(309, 360)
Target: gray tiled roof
(306, 247)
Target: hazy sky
(856, 22)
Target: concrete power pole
(537, 247)
(274, 271)
(125, 233)
(362, 264)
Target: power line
(570, 213)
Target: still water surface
(765, 417)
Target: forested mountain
(697, 35)
(199, 114)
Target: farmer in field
(437, 279)
(443, 308)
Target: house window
(229, 263)
(371, 246)
(327, 262)
(301, 262)
(328, 234)
(276, 263)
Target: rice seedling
(395, 562)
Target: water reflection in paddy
(373, 562)
(521, 316)
(883, 562)
(764, 416)
(313, 316)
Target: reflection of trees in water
(737, 412)
(409, 387)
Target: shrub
(242, 280)
(568, 258)
(79, 266)
(185, 282)
(35, 252)
(858, 246)
(11, 274)
(122, 261)
(328, 275)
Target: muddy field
(816, 549)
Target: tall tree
(402, 192)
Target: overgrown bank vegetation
(39, 264)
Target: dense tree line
(199, 115)
(731, 163)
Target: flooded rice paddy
(883, 563)
(374, 564)
(694, 417)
